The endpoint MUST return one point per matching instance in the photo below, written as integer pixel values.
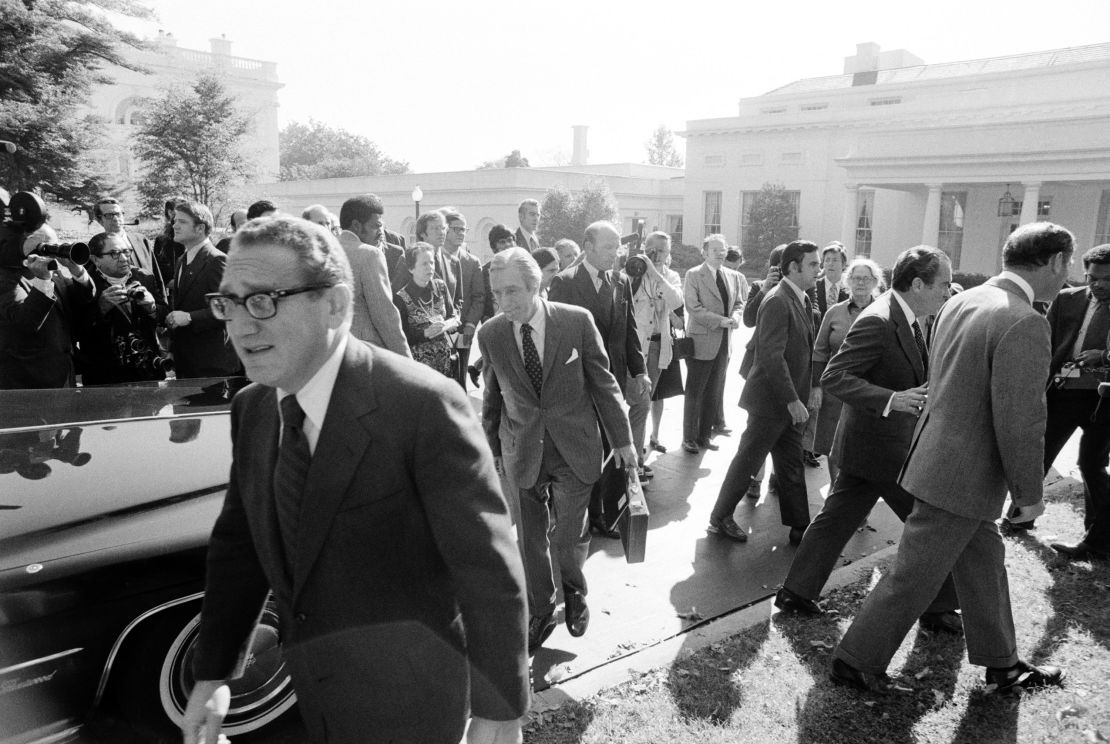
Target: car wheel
(156, 677)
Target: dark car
(107, 499)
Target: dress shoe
(796, 534)
(1080, 552)
(753, 489)
(942, 622)
(791, 602)
(1012, 528)
(706, 444)
(540, 628)
(690, 446)
(1023, 675)
(844, 674)
(653, 443)
(645, 472)
(576, 612)
(811, 459)
(726, 528)
(474, 374)
(598, 526)
(720, 430)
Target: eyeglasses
(115, 254)
(458, 230)
(260, 305)
(117, 215)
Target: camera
(636, 266)
(133, 352)
(27, 213)
(77, 252)
(135, 293)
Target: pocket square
(573, 356)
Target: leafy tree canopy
(567, 214)
(661, 149)
(316, 150)
(773, 220)
(513, 160)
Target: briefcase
(633, 520)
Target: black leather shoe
(942, 622)
(474, 374)
(720, 430)
(1017, 528)
(576, 612)
(706, 444)
(540, 628)
(791, 602)
(796, 534)
(811, 459)
(1023, 676)
(596, 525)
(843, 674)
(1080, 552)
(726, 528)
(690, 446)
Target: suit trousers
(462, 360)
(638, 411)
(1069, 410)
(851, 500)
(935, 543)
(783, 440)
(567, 545)
(705, 385)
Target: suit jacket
(878, 358)
(522, 241)
(704, 306)
(782, 356)
(100, 360)
(1065, 317)
(617, 326)
(982, 431)
(576, 381)
(395, 239)
(200, 349)
(407, 589)
(473, 288)
(819, 297)
(375, 318)
(394, 255)
(145, 253)
(37, 332)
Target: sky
(447, 85)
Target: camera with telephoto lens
(636, 266)
(27, 213)
(134, 352)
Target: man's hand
(774, 275)
(468, 332)
(798, 412)
(1090, 358)
(205, 712)
(39, 266)
(113, 296)
(178, 319)
(74, 268)
(1024, 514)
(815, 397)
(910, 401)
(435, 329)
(147, 300)
(641, 388)
(626, 456)
(485, 731)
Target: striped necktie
(290, 475)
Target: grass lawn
(769, 683)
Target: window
(792, 158)
(714, 161)
(712, 212)
(951, 233)
(747, 201)
(1044, 208)
(886, 101)
(751, 158)
(1102, 227)
(674, 227)
(775, 110)
(863, 223)
(813, 107)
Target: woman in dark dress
(426, 316)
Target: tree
(567, 214)
(773, 220)
(661, 150)
(316, 150)
(191, 143)
(52, 52)
(513, 160)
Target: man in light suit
(1079, 319)
(375, 319)
(775, 396)
(547, 382)
(363, 494)
(981, 433)
(527, 235)
(470, 300)
(198, 341)
(880, 374)
(714, 299)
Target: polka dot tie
(531, 358)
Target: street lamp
(8, 147)
(417, 195)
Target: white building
(894, 153)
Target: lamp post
(417, 195)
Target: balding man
(238, 219)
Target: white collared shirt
(191, 254)
(1092, 305)
(538, 321)
(315, 396)
(528, 239)
(797, 290)
(910, 317)
(593, 274)
(1026, 287)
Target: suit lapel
(264, 428)
(552, 343)
(186, 282)
(507, 341)
(906, 340)
(711, 283)
(339, 451)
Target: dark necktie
(809, 312)
(1097, 329)
(290, 475)
(723, 289)
(531, 358)
(921, 348)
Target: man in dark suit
(980, 435)
(110, 214)
(198, 341)
(363, 494)
(547, 382)
(607, 294)
(527, 235)
(880, 374)
(775, 396)
(1079, 319)
(470, 299)
(40, 311)
(238, 219)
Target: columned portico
(1030, 201)
(851, 217)
(930, 224)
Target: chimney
(581, 154)
(221, 47)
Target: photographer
(118, 342)
(41, 297)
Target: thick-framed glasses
(459, 230)
(260, 305)
(115, 254)
(1096, 279)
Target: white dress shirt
(538, 322)
(315, 396)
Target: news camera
(25, 214)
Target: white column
(851, 217)
(1029, 202)
(930, 224)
